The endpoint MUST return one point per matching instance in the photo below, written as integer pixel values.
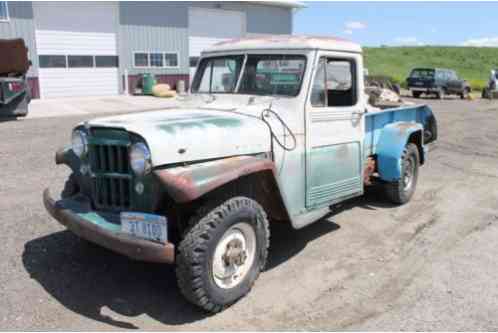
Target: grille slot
(111, 188)
(112, 192)
(110, 158)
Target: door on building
(210, 26)
(77, 49)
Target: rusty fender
(187, 183)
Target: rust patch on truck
(369, 171)
(187, 183)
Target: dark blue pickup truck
(437, 81)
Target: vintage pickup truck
(274, 129)
(15, 93)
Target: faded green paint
(97, 219)
(172, 127)
(335, 171)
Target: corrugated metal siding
(21, 25)
(153, 27)
(260, 19)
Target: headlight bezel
(80, 148)
(140, 159)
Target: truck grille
(112, 184)
(112, 192)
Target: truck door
(334, 130)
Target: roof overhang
(280, 3)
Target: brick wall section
(34, 85)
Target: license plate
(419, 83)
(147, 226)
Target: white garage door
(210, 26)
(76, 44)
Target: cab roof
(279, 42)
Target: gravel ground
(428, 265)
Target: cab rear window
(422, 73)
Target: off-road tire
(416, 94)
(441, 93)
(396, 191)
(195, 252)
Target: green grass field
(471, 63)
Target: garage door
(210, 26)
(76, 44)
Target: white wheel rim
(227, 273)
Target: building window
(171, 59)
(52, 61)
(4, 11)
(141, 60)
(80, 61)
(156, 60)
(106, 61)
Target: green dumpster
(149, 81)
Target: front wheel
(401, 191)
(465, 94)
(222, 254)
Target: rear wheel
(401, 191)
(465, 93)
(441, 93)
(222, 254)
(416, 94)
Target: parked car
(437, 81)
(275, 129)
(14, 90)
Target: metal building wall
(153, 27)
(261, 19)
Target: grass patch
(471, 63)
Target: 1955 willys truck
(275, 128)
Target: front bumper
(78, 218)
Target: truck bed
(377, 120)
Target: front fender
(187, 183)
(392, 142)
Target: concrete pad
(74, 106)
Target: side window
(335, 83)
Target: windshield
(263, 75)
(422, 74)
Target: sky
(402, 23)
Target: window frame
(68, 56)
(7, 15)
(196, 82)
(163, 54)
(177, 59)
(116, 57)
(354, 84)
(141, 52)
(150, 58)
(66, 63)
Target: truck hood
(189, 134)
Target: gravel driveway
(429, 265)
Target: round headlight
(79, 143)
(140, 159)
